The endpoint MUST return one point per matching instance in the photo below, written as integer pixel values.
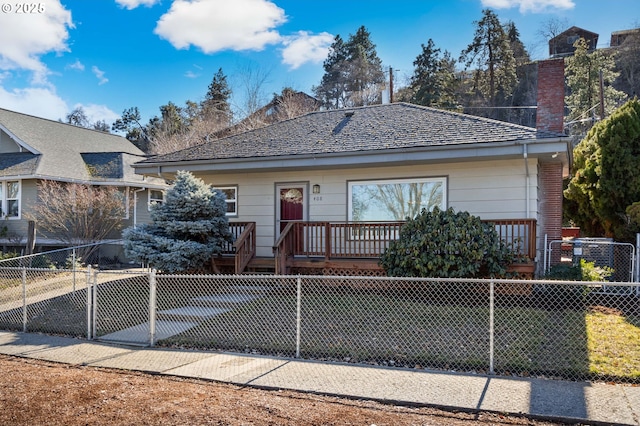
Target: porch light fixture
(316, 189)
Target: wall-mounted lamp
(316, 189)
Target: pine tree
(433, 80)
(186, 230)
(495, 74)
(583, 71)
(353, 73)
(215, 105)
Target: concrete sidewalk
(551, 399)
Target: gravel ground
(42, 393)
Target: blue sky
(108, 55)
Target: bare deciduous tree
(78, 214)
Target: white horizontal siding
(489, 189)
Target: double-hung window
(156, 196)
(231, 198)
(10, 198)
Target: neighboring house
(562, 44)
(618, 37)
(34, 149)
(331, 185)
(288, 104)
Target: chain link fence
(552, 329)
(568, 329)
(103, 255)
(599, 259)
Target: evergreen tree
(353, 73)
(583, 71)
(136, 133)
(433, 80)
(186, 230)
(606, 177)
(215, 105)
(494, 78)
(365, 70)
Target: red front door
(291, 205)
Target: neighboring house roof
(49, 149)
(319, 138)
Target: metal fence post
(95, 304)
(73, 268)
(491, 325)
(89, 304)
(24, 299)
(152, 307)
(298, 310)
(544, 260)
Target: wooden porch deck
(346, 248)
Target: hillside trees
(606, 179)
(434, 81)
(186, 230)
(628, 65)
(353, 73)
(180, 127)
(494, 78)
(583, 72)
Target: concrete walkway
(550, 399)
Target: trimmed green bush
(447, 244)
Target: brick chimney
(550, 117)
(550, 114)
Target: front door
(290, 205)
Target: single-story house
(34, 149)
(320, 191)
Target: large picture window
(395, 199)
(10, 198)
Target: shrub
(583, 271)
(447, 244)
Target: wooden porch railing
(369, 239)
(243, 247)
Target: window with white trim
(156, 196)
(231, 198)
(10, 198)
(395, 199)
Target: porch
(346, 248)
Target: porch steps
(261, 265)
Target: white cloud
(98, 113)
(530, 5)
(77, 65)
(100, 75)
(215, 25)
(24, 37)
(305, 47)
(191, 74)
(132, 4)
(40, 102)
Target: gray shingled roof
(373, 128)
(63, 151)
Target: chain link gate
(616, 262)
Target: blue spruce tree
(186, 230)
